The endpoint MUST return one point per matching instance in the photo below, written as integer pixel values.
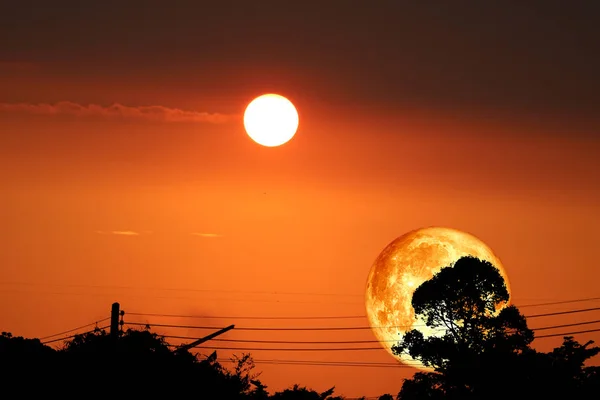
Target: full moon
(404, 265)
(271, 120)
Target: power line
(387, 364)
(72, 336)
(552, 303)
(267, 292)
(291, 349)
(240, 317)
(334, 328)
(359, 348)
(349, 341)
(262, 328)
(567, 333)
(368, 341)
(74, 329)
(248, 317)
(232, 291)
(352, 341)
(331, 363)
(563, 312)
(567, 325)
(318, 328)
(281, 341)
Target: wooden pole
(114, 320)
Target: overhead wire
(323, 363)
(280, 341)
(290, 349)
(330, 363)
(563, 312)
(323, 328)
(248, 317)
(359, 348)
(241, 317)
(353, 341)
(267, 292)
(350, 341)
(567, 333)
(75, 329)
(350, 364)
(341, 328)
(553, 303)
(567, 325)
(77, 334)
(234, 291)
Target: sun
(271, 120)
(404, 265)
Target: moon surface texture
(404, 265)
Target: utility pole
(204, 339)
(114, 320)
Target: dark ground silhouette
(484, 354)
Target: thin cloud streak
(120, 233)
(207, 235)
(156, 113)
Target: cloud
(207, 235)
(156, 113)
(121, 233)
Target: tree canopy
(137, 363)
(468, 302)
(484, 350)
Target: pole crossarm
(204, 339)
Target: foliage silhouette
(485, 351)
(464, 300)
(21, 357)
(303, 393)
(137, 363)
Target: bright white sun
(271, 120)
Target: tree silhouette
(464, 300)
(484, 352)
(21, 357)
(136, 363)
(565, 368)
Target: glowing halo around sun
(271, 120)
(404, 265)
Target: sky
(127, 175)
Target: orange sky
(306, 218)
(225, 227)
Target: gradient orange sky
(482, 119)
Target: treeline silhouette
(484, 353)
(136, 363)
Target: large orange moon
(271, 120)
(404, 265)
